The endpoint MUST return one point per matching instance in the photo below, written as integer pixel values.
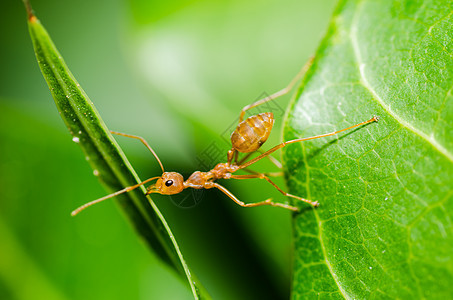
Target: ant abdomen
(251, 133)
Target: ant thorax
(223, 170)
(196, 180)
(220, 171)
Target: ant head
(169, 183)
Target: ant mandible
(248, 137)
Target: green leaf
(384, 225)
(104, 154)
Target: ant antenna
(145, 143)
(129, 188)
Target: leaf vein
(364, 81)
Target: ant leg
(273, 160)
(244, 158)
(144, 142)
(280, 93)
(233, 197)
(232, 155)
(236, 156)
(269, 174)
(262, 176)
(254, 160)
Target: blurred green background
(176, 73)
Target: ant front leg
(280, 93)
(233, 197)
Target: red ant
(248, 137)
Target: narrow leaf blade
(104, 154)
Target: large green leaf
(104, 154)
(384, 225)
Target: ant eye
(168, 182)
